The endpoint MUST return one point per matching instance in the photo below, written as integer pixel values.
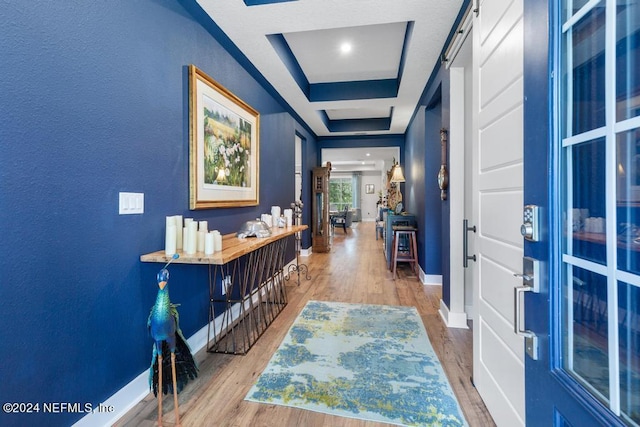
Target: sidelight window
(600, 155)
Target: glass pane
(587, 202)
(571, 7)
(340, 194)
(628, 307)
(627, 60)
(585, 335)
(586, 78)
(319, 214)
(628, 200)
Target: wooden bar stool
(410, 254)
(379, 225)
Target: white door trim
(455, 315)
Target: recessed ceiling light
(368, 154)
(345, 48)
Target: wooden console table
(246, 287)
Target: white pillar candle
(178, 223)
(170, 240)
(201, 241)
(217, 238)
(187, 221)
(203, 226)
(213, 234)
(288, 214)
(193, 238)
(208, 244)
(275, 214)
(168, 221)
(185, 239)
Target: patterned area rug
(370, 362)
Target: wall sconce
(397, 175)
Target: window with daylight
(340, 193)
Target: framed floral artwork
(223, 146)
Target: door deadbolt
(530, 228)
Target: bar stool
(411, 253)
(379, 225)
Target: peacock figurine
(169, 344)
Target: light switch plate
(131, 203)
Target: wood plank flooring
(354, 271)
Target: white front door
(498, 353)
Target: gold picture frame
(224, 146)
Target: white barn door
(498, 353)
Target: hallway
(354, 271)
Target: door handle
(530, 338)
(517, 291)
(465, 243)
(530, 283)
(525, 277)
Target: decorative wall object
(170, 348)
(223, 146)
(443, 174)
(369, 188)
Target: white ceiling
(375, 52)
(396, 41)
(360, 159)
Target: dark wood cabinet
(320, 237)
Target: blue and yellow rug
(371, 362)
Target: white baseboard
(131, 394)
(430, 279)
(121, 402)
(452, 320)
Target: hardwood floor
(354, 271)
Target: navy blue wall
(423, 153)
(414, 191)
(310, 159)
(422, 199)
(94, 101)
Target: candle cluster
(276, 219)
(190, 236)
